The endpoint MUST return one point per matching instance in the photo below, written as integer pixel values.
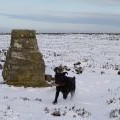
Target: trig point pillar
(24, 64)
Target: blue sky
(60, 15)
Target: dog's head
(58, 69)
(60, 76)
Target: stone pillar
(24, 64)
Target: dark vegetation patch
(3, 53)
(73, 110)
(119, 72)
(115, 113)
(114, 103)
(8, 113)
(26, 99)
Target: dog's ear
(56, 70)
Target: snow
(96, 87)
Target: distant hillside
(5, 33)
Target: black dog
(64, 84)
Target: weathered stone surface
(24, 64)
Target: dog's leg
(56, 96)
(65, 95)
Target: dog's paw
(54, 102)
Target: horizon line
(37, 33)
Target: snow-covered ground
(97, 94)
